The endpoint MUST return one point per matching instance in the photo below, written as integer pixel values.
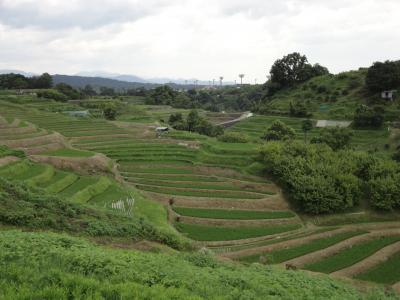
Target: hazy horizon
(190, 39)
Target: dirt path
(379, 257)
(396, 287)
(324, 253)
(284, 245)
(7, 160)
(251, 240)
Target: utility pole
(241, 78)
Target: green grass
(350, 256)
(154, 170)
(78, 185)
(58, 175)
(39, 265)
(387, 272)
(69, 153)
(200, 193)
(171, 177)
(281, 255)
(232, 214)
(112, 194)
(34, 170)
(209, 233)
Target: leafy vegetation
(281, 255)
(386, 272)
(209, 233)
(6, 151)
(34, 208)
(232, 214)
(352, 255)
(54, 266)
(320, 180)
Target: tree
(68, 91)
(89, 91)
(106, 91)
(298, 109)
(162, 95)
(279, 131)
(306, 126)
(367, 117)
(293, 69)
(192, 120)
(336, 138)
(175, 118)
(45, 81)
(110, 112)
(383, 76)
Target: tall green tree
(306, 126)
(383, 76)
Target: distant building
(389, 95)
(77, 113)
(328, 123)
(162, 129)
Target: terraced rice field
(210, 197)
(211, 233)
(232, 214)
(67, 184)
(387, 272)
(351, 255)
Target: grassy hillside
(54, 266)
(330, 97)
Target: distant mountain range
(117, 81)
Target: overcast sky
(194, 38)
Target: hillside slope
(54, 266)
(330, 97)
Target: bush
(320, 180)
(279, 131)
(52, 94)
(233, 137)
(367, 117)
(336, 138)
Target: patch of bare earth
(82, 165)
(377, 258)
(8, 160)
(396, 287)
(324, 253)
(250, 240)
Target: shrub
(279, 131)
(52, 94)
(336, 138)
(233, 137)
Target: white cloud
(194, 38)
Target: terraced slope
(28, 137)
(68, 184)
(256, 127)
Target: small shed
(77, 113)
(389, 95)
(160, 130)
